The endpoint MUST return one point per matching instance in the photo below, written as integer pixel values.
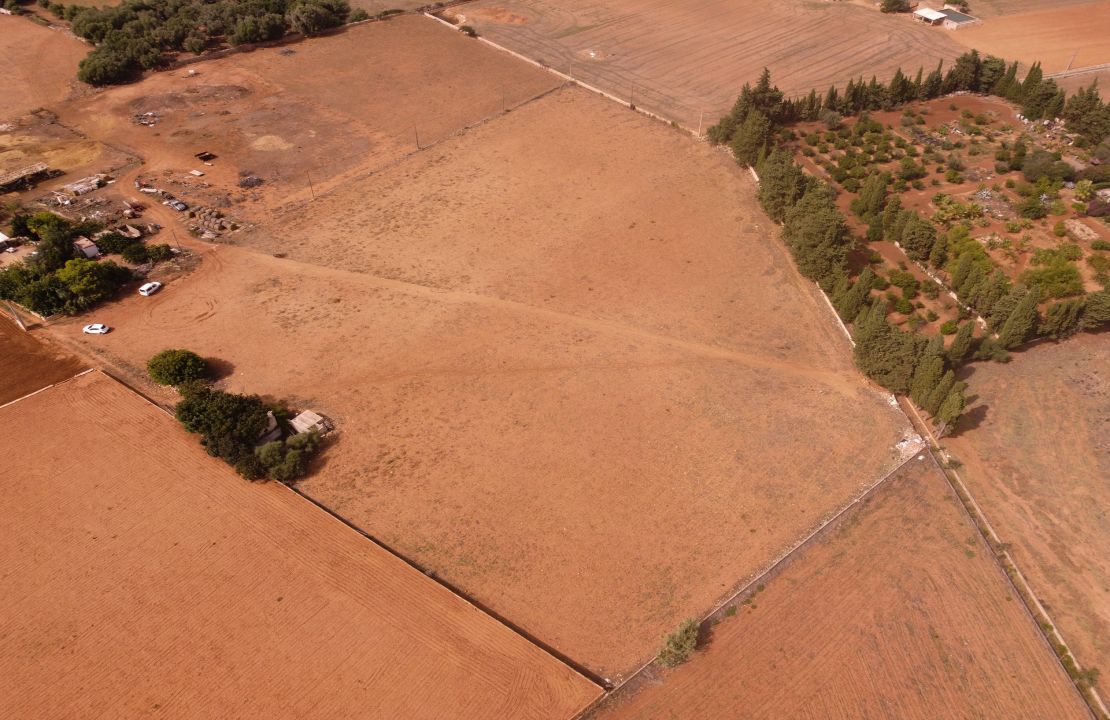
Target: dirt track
(1036, 458)
(900, 613)
(142, 578)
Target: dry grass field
(681, 58)
(589, 390)
(899, 613)
(26, 364)
(1037, 461)
(38, 65)
(142, 578)
(1075, 35)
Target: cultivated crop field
(595, 417)
(38, 65)
(1037, 461)
(142, 577)
(680, 59)
(899, 612)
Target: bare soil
(682, 59)
(142, 578)
(1036, 455)
(38, 64)
(571, 413)
(26, 364)
(900, 612)
(1075, 35)
(307, 116)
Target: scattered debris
(149, 119)
(196, 173)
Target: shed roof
(930, 14)
(956, 16)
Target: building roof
(930, 14)
(956, 16)
(83, 242)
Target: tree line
(817, 235)
(762, 111)
(138, 35)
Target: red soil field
(142, 578)
(680, 59)
(38, 65)
(1078, 34)
(589, 390)
(900, 612)
(26, 365)
(1036, 456)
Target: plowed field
(27, 365)
(1076, 36)
(681, 59)
(141, 578)
(899, 613)
(1037, 458)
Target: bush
(229, 424)
(358, 15)
(287, 460)
(1100, 245)
(136, 254)
(468, 31)
(680, 644)
(176, 367)
(949, 328)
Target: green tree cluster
(176, 367)
(137, 34)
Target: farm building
(309, 420)
(954, 19)
(949, 17)
(84, 185)
(929, 16)
(86, 247)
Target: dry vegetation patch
(901, 611)
(1037, 461)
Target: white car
(96, 329)
(150, 288)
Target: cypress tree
(817, 236)
(781, 184)
(1019, 325)
(751, 138)
(938, 255)
(930, 369)
(1000, 311)
(951, 408)
(939, 393)
(1063, 319)
(855, 299)
(961, 344)
(960, 272)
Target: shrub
(949, 327)
(175, 367)
(680, 645)
(1100, 245)
(136, 254)
(358, 15)
(468, 31)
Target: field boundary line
(428, 574)
(775, 565)
(46, 387)
(1004, 561)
